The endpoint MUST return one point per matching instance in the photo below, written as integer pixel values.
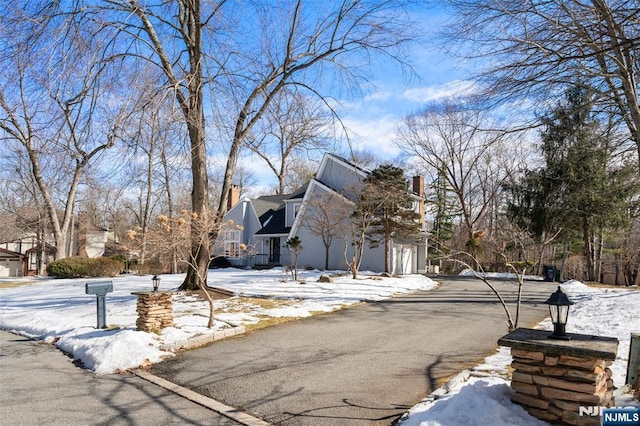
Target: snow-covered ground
(485, 398)
(59, 311)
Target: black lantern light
(156, 282)
(559, 309)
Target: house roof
(49, 248)
(350, 163)
(273, 223)
(11, 253)
(271, 210)
(299, 193)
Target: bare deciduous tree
(534, 49)
(295, 44)
(324, 220)
(293, 125)
(57, 104)
(451, 144)
(183, 70)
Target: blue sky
(390, 94)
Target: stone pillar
(552, 379)
(155, 310)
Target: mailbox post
(100, 289)
(633, 366)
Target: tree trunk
(354, 270)
(146, 210)
(194, 115)
(173, 250)
(199, 258)
(588, 249)
(598, 256)
(326, 256)
(387, 251)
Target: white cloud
(431, 93)
(378, 96)
(376, 135)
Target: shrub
(77, 267)
(104, 267)
(151, 266)
(219, 262)
(70, 267)
(122, 258)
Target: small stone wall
(553, 388)
(552, 379)
(155, 310)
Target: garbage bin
(549, 272)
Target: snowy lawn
(60, 312)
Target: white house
(23, 253)
(260, 227)
(12, 264)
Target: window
(232, 243)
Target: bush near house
(151, 266)
(77, 267)
(70, 267)
(104, 267)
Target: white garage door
(9, 267)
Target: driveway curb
(212, 404)
(205, 339)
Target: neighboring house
(12, 264)
(87, 240)
(30, 252)
(264, 224)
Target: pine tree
(579, 191)
(441, 205)
(394, 218)
(294, 245)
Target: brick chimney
(418, 189)
(234, 196)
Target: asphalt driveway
(364, 365)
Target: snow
(485, 398)
(481, 401)
(59, 312)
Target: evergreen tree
(580, 190)
(294, 245)
(394, 218)
(442, 207)
(533, 206)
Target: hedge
(77, 267)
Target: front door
(274, 250)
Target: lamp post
(156, 282)
(559, 309)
